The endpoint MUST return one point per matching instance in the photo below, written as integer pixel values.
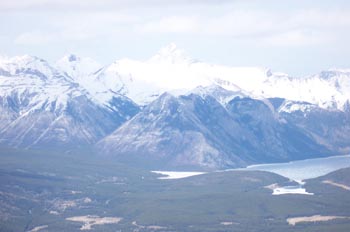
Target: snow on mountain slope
(171, 70)
(41, 105)
(293, 106)
(29, 65)
(35, 84)
(328, 89)
(220, 94)
(81, 71)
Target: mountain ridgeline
(172, 112)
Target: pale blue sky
(299, 37)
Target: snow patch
(176, 175)
(315, 218)
(53, 212)
(91, 220)
(38, 228)
(228, 223)
(277, 190)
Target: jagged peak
(166, 96)
(77, 66)
(70, 58)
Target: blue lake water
(305, 169)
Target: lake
(305, 169)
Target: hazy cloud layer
(101, 4)
(243, 25)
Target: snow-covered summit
(77, 67)
(172, 70)
(27, 65)
(35, 84)
(43, 105)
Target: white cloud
(173, 24)
(238, 19)
(32, 38)
(296, 38)
(75, 27)
(300, 28)
(241, 23)
(63, 5)
(326, 18)
(259, 31)
(41, 38)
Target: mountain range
(172, 111)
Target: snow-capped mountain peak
(41, 104)
(172, 70)
(27, 65)
(77, 67)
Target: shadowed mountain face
(270, 138)
(330, 128)
(174, 131)
(198, 131)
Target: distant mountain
(41, 106)
(77, 67)
(172, 70)
(173, 111)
